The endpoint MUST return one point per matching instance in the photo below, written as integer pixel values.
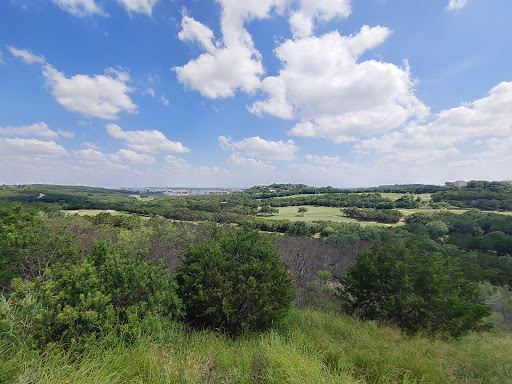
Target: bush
(418, 291)
(111, 289)
(234, 282)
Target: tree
(268, 210)
(302, 210)
(234, 281)
(418, 291)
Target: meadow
(316, 213)
(309, 346)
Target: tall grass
(308, 347)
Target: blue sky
(232, 93)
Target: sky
(235, 93)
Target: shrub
(234, 281)
(111, 289)
(418, 291)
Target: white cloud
(336, 96)
(302, 20)
(228, 64)
(325, 160)
(151, 141)
(213, 171)
(1, 58)
(176, 162)
(487, 116)
(164, 101)
(133, 157)
(66, 134)
(138, 6)
(420, 156)
(260, 148)
(37, 129)
(25, 55)
(31, 148)
(150, 92)
(456, 5)
(90, 155)
(241, 161)
(92, 146)
(123, 155)
(80, 8)
(102, 96)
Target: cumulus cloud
(37, 129)
(336, 96)
(126, 155)
(302, 21)
(92, 145)
(230, 63)
(31, 148)
(490, 115)
(138, 6)
(456, 5)
(260, 148)
(241, 161)
(327, 161)
(102, 96)
(91, 155)
(164, 101)
(151, 141)
(66, 134)
(121, 156)
(213, 171)
(176, 162)
(80, 8)
(25, 55)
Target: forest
(211, 289)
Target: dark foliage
(418, 291)
(234, 281)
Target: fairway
(316, 213)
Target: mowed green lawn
(315, 213)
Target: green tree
(234, 281)
(302, 210)
(418, 291)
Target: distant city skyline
(225, 93)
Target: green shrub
(234, 281)
(111, 289)
(419, 291)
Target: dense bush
(111, 289)
(419, 291)
(234, 281)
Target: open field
(315, 213)
(392, 196)
(92, 212)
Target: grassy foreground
(308, 347)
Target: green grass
(392, 196)
(308, 347)
(92, 212)
(315, 213)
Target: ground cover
(315, 213)
(92, 212)
(308, 347)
